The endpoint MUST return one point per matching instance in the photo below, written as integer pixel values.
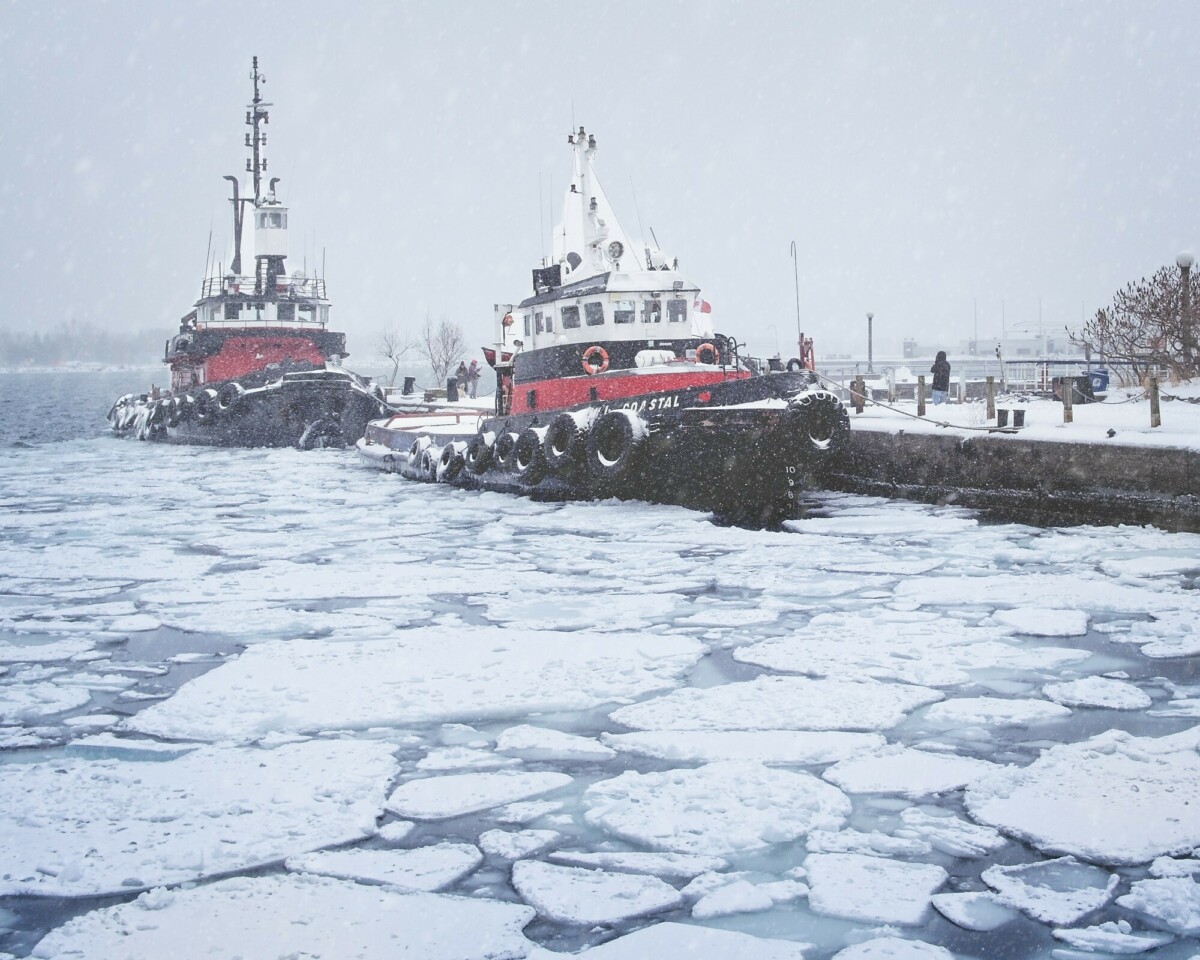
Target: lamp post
(796, 276)
(870, 343)
(1184, 261)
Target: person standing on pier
(941, 377)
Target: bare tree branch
(394, 344)
(443, 346)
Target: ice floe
(780, 703)
(716, 809)
(1116, 936)
(681, 866)
(912, 773)
(1044, 621)
(37, 701)
(588, 897)
(424, 868)
(419, 676)
(540, 743)
(1098, 692)
(894, 948)
(694, 942)
(994, 711)
(293, 916)
(109, 826)
(973, 911)
(515, 844)
(949, 834)
(1056, 891)
(871, 889)
(455, 795)
(1172, 902)
(1114, 799)
(765, 746)
(738, 896)
(874, 843)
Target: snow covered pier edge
(1027, 480)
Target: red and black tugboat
(611, 381)
(254, 363)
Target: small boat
(254, 363)
(611, 381)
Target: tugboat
(612, 382)
(253, 363)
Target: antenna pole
(796, 277)
(256, 115)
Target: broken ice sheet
(324, 917)
(1116, 937)
(1056, 891)
(717, 809)
(540, 743)
(1044, 621)
(912, 773)
(513, 845)
(588, 897)
(1098, 692)
(973, 911)
(671, 940)
(765, 746)
(993, 711)
(110, 826)
(871, 889)
(423, 868)
(1171, 902)
(676, 866)
(949, 834)
(894, 948)
(455, 795)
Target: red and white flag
(703, 306)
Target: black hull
(316, 408)
(743, 449)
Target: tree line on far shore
(80, 342)
(442, 345)
(1150, 327)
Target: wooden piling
(920, 396)
(1155, 413)
(1068, 389)
(991, 398)
(858, 394)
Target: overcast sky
(924, 156)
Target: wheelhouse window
(550, 322)
(538, 323)
(570, 318)
(651, 311)
(676, 311)
(624, 311)
(593, 314)
(528, 325)
(232, 310)
(275, 219)
(287, 311)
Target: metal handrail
(308, 288)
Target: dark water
(48, 407)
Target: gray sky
(922, 155)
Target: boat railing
(286, 288)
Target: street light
(1184, 261)
(870, 343)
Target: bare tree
(443, 346)
(394, 344)
(1150, 324)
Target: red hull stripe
(569, 391)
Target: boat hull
(744, 449)
(304, 409)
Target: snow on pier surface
(310, 709)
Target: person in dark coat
(941, 377)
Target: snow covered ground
(267, 703)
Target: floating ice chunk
(446, 673)
(1173, 902)
(1053, 891)
(913, 773)
(1059, 591)
(455, 795)
(765, 746)
(740, 896)
(34, 701)
(462, 758)
(100, 824)
(1115, 799)
(1170, 867)
(695, 943)
(949, 834)
(588, 897)
(871, 889)
(526, 812)
(1113, 937)
(423, 868)
(541, 743)
(12, 738)
(780, 703)
(111, 682)
(510, 845)
(873, 844)
(135, 623)
(92, 721)
(52, 652)
(396, 830)
(677, 866)
(894, 948)
(994, 711)
(1044, 622)
(973, 911)
(571, 610)
(332, 918)
(716, 809)
(1098, 692)
(1184, 707)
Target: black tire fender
(479, 453)
(529, 462)
(565, 443)
(614, 443)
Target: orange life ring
(508, 320)
(711, 349)
(591, 368)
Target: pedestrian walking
(473, 378)
(941, 377)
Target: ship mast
(257, 114)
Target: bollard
(962, 389)
(410, 386)
(920, 396)
(991, 398)
(858, 394)
(452, 390)
(1068, 389)
(1155, 414)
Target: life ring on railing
(710, 350)
(507, 321)
(591, 368)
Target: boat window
(324, 315)
(593, 313)
(550, 322)
(232, 311)
(624, 311)
(262, 221)
(528, 324)
(570, 318)
(651, 311)
(287, 311)
(676, 311)
(538, 323)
